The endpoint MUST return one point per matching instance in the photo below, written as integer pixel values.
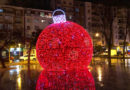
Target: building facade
(21, 25)
(79, 15)
(35, 20)
(24, 20)
(122, 23)
(94, 24)
(11, 21)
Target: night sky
(45, 4)
(120, 3)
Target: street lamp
(97, 34)
(19, 49)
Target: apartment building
(36, 19)
(24, 20)
(22, 23)
(79, 15)
(11, 20)
(122, 22)
(94, 23)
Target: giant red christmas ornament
(64, 45)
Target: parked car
(25, 57)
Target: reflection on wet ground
(66, 80)
(116, 77)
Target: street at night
(116, 77)
(64, 45)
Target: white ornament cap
(59, 18)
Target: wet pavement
(100, 77)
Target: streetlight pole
(9, 55)
(96, 35)
(19, 49)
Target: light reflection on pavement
(66, 80)
(116, 77)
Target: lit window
(42, 21)
(1, 10)
(70, 17)
(42, 14)
(4, 53)
(49, 15)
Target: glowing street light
(19, 49)
(19, 44)
(97, 34)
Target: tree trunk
(3, 63)
(124, 44)
(109, 53)
(29, 52)
(2, 60)
(110, 44)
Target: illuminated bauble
(63, 46)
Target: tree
(32, 43)
(107, 17)
(1, 58)
(7, 39)
(126, 32)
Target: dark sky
(45, 4)
(40, 4)
(122, 3)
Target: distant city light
(1, 10)
(99, 73)
(70, 17)
(42, 21)
(97, 35)
(42, 14)
(19, 44)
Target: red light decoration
(64, 46)
(66, 80)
